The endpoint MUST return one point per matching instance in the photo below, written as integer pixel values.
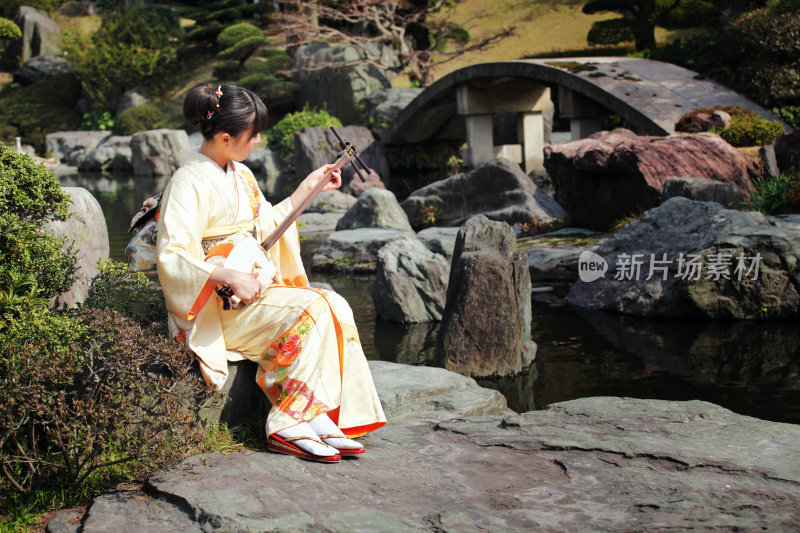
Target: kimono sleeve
(182, 271)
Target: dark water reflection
(752, 368)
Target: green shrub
(751, 130)
(130, 293)
(282, 134)
(790, 114)
(81, 393)
(30, 195)
(775, 195)
(239, 41)
(139, 118)
(211, 19)
(33, 111)
(9, 30)
(133, 47)
(96, 120)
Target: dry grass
(542, 27)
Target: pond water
(752, 368)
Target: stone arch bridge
(465, 104)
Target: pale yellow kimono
(304, 339)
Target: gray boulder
(486, 324)
(705, 190)
(354, 250)
(416, 393)
(336, 78)
(314, 147)
(157, 152)
(594, 464)
(702, 260)
(40, 68)
(263, 161)
(333, 201)
(382, 106)
(85, 231)
(554, 256)
(73, 147)
(375, 208)
(113, 153)
(410, 282)
(499, 190)
(317, 224)
(131, 98)
(40, 35)
(439, 240)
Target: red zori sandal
(342, 451)
(278, 444)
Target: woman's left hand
(311, 181)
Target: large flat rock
(595, 464)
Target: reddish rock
(613, 175)
(356, 186)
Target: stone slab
(594, 464)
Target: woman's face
(241, 145)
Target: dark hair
(237, 110)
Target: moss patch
(572, 66)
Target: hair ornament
(218, 92)
(209, 114)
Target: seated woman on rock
(310, 362)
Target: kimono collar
(193, 158)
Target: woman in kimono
(310, 362)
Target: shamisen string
(344, 158)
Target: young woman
(311, 365)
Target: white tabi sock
(323, 425)
(304, 430)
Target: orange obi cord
(222, 250)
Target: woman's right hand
(244, 285)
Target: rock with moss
(40, 35)
(333, 201)
(697, 259)
(375, 208)
(336, 78)
(354, 250)
(486, 322)
(39, 68)
(381, 107)
(498, 189)
(554, 256)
